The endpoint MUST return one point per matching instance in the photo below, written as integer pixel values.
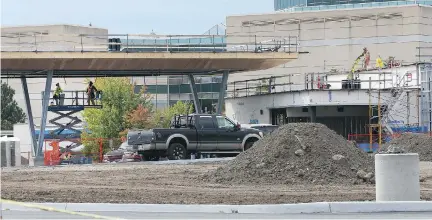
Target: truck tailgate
(140, 137)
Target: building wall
(61, 37)
(335, 38)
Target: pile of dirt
(413, 143)
(298, 153)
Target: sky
(130, 16)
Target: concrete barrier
(397, 177)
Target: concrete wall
(61, 37)
(335, 38)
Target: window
(224, 123)
(206, 122)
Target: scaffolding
(426, 96)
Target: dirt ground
(168, 183)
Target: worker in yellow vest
(379, 63)
(57, 93)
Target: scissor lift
(70, 103)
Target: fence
(370, 143)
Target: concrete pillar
(8, 154)
(397, 177)
(17, 154)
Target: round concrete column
(397, 177)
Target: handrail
(123, 42)
(78, 97)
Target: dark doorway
(278, 116)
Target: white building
(333, 40)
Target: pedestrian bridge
(92, 64)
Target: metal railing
(77, 98)
(381, 79)
(132, 43)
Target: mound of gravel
(298, 153)
(413, 143)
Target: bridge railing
(131, 43)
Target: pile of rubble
(412, 143)
(298, 153)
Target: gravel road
(169, 183)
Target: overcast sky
(130, 16)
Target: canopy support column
(196, 101)
(29, 117)
(45, 103)
(222, 90)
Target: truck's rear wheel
(177, 151)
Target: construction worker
(57, 93)
(91, 93)
(379, 63)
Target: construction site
(330, 123)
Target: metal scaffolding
(426, 96)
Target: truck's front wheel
(177, 151)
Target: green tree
(162, 118)
(11, 113)
(118, 100)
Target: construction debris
(412, 143)
(297, 153)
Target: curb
(302, 208)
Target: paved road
(9, 214)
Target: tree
(11, 113)
(118, 100)
(139, 118)
(162, 118)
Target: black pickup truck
(194, 134)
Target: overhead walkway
(41, 55)
(111, 64)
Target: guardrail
(131, 43)
(382, 79)
(78, 98)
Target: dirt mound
(413, 143)
(298, 153)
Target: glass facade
(167, 90)
(283, 4)
(316, 5)
(208, 43)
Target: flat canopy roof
(92, 64)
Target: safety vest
(379, 63)
(58, 91)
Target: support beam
(221, 99)
(196, 101)
(45, 102)
(29, 116)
